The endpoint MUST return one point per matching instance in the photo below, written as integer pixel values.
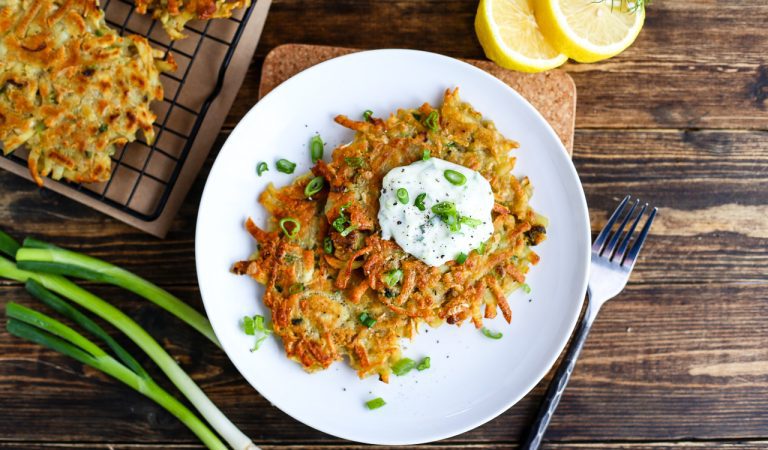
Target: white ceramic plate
(472, 379)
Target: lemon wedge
(510, 36)
(590, 30)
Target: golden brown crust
(174, 14)
(72, 89)
(316, 298)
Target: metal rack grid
(138, 165)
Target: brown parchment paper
(140, 177)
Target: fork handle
(557, 386)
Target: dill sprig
(632, 6)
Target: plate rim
(482, 419)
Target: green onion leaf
(402, 196)
(481, 249)
(419, 202)
(103, 127)
(339, 223)
(367, 115)
(345, 232)
(403, 366)
(296, 288)
(314, 186)
(375, 403)
(328, 245)
(461, 258)
(248, 326)
(355, 162)
(491, 334)
(424, 364)
(425, 155)
(416, 116)
(261, 168)
(285, 166)
(315, 149)
(433, 121)
(367, 320)
(444, 209)
(8, 245)
(454, 177)
(393, 277)
(525, 288)
(295, 229)
(474, 223)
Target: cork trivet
(553, 93)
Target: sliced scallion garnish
(481, 249)
(403, 366)
(328, 245)
(295, 229)
(454, 177)
(419, 202)
(425, 155)
(316, 148)
(491, 334)
(402, 196)
(376, 403)
(261, 168)
(367, 320)
(367, 115)
(393, 277)
(525, 288)
(464, 220)
(314, 186)
(285, 166)
(424, 364)
(461, 258)
(345, 232)
(433, 121)
(355, 162)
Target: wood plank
(662, 363)
(691, 67)
(711, 186)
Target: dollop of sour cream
(424, 234)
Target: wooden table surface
(678, 361)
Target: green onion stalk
(32, 325)
(39, 256)
(62, 286)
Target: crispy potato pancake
(316, 297)
(72, 89)
(174, 14)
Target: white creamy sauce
(422, 233)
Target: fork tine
(613, 243)
(635, 250)
(622, 250)
(606, 231)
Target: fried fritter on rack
(316, 296)
(174, 14)
(72, 89)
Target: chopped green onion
(315, 149)
(424, 364)
(248, 326)
(481, 249)
(367, 320)
(402, 196)
(403, 366)
(461, 258)
(393, 277)
(294, 231)
(433, 121)
(453, 223)
(416, 116)
(103, 127)
(285, 166)
(328, 245)
(314, 186)
(345, 232)
(425, 155)
(355, 162)
(444, 209)
(296, 288)
(419, 202)
(376, 403)
(8, 245)
(261, 168)
(454, 177)
(525, 288)
(491, 334)
(339, 223)
(474, 223)
(367, 115)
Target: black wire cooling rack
(144, 174)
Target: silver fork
(612, 261)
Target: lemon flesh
(510, 36)
(589, 30)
